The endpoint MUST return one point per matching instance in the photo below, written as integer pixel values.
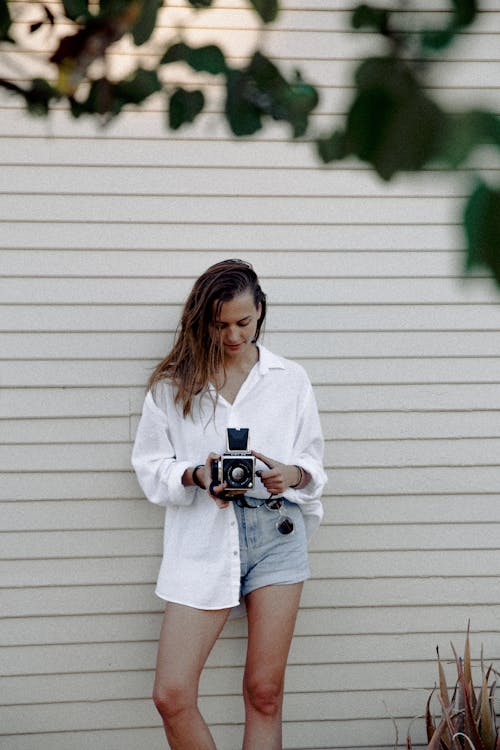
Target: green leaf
(465, 132)
(243, 116)
(145, 24)
(5, 22)
(299, 100)
(267, 9)
(39, 96)
(365, 16)
(465, 12)
(184, 107)
(208, 59)
(135, 89)
(176, 53)
(392, 124)
(482, 226)
(200, 3)
(107, 99)
(75, 9)
(333, 148)
(270, 93)
(437, 39)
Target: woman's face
(237, 325)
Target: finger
(265, 460)
(214, 490)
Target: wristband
(301, 477)
(195, 478)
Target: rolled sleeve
(309, 448)
(153, 457)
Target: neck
(243, 364)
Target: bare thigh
(272, 612)
(186, 639)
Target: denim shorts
(268, 557)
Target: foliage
(254, 92)
(467, 717)
(393, 123)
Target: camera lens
(239, 474)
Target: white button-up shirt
(201, 556)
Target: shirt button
(235, 552)
(233, 523)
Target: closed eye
(241, 323)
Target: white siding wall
(102, 234)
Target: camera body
(236, 467)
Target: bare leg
(272, 611)
(186, 639)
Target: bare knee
(173, 701)
(264, 697)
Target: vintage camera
(236, 467)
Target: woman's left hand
(279, 477)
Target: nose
(232, 335)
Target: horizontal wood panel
(286, 264)
(328, 735)
(73, 402)
(290, 40)
(149, 122)
(325, 735)
(345, 371)
(80, 345)
(224, 180)
(164, 317)
(132, 627)
(182, 236)
(227, 209)
(183, 151)
(127, 685)
(346, 565)
(339, 454)
(320, 291)
(132, 713)
(116, 514)
(394, 425)
(101, 430)
(78, 514)
(464, 452)
(231, 652)
(55, 486)
(445, 479)
(353, 621)
(408, 397)
(411, 509)
(148, 541)
(116, 402)
(381, 592)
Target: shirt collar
(268, 360)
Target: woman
(219, 547)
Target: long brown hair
(196, 356)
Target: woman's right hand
(206, 477)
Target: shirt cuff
(175, 491)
